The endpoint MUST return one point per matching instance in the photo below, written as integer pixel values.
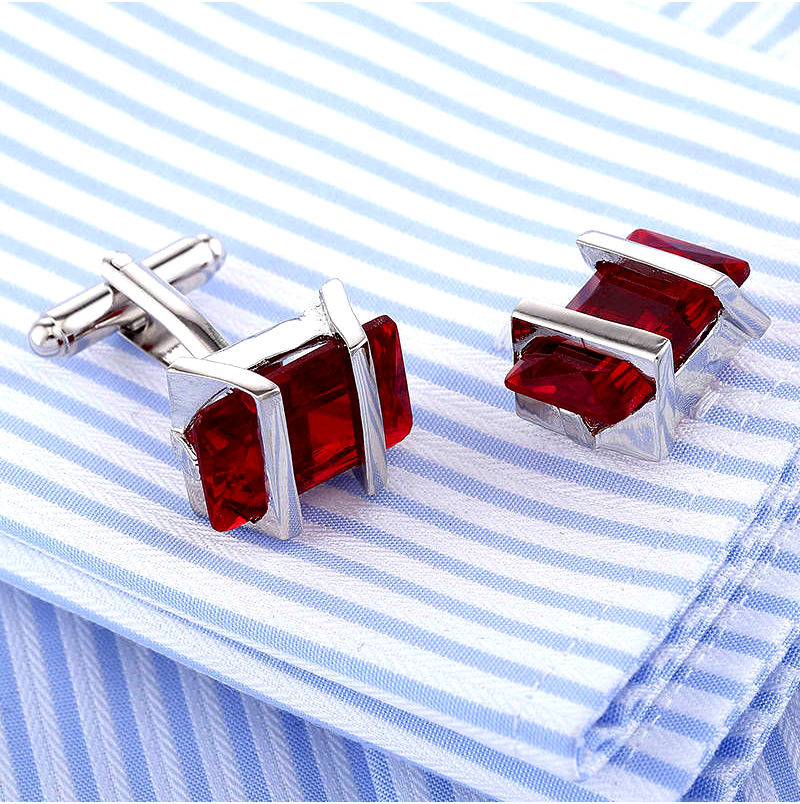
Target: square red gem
(322, 418)
(603, 389)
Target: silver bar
(638, 346)
(101, 310)
(345, 323)
(174, 327)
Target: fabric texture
(88, 715)
(514, 612)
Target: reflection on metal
(145, 302)
(649, 431)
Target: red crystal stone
(320, 400)
(603, 389)
(225, 439)
(562, 372)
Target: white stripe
(758, 785)
(93, 709)
(274, 753)
(334, 767)
(211, 735)
(152, 722)
(35, 696)
(409, 781)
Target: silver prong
(100, 311)
(345, 323)
(193, 383)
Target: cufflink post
(104, 309)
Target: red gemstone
(603, 389)
(322, 419)
(224, 435)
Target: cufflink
(256, 423)
(637, 346)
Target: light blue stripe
(733, 15)
(381, 776)
(181, 727)
(786, 27)
(439, 788)
(15, 728)
(674, 10)
(119, 703)
(307, 771)
(361, 773)
(69, 723)
(241, 738)
(693, 60)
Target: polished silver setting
(332, 317)
(343, 321)
(145, 302)
(193, 383)
(648, 432)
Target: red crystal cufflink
(636, 347)
(258, 422)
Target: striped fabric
(514, 612)
(771, 28)
(89, 715)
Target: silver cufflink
(638, 345)
(255, 423)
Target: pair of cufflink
(256, 423)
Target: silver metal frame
(200, 380)
(143, 301)
(648, 432)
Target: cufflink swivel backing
(638, 345)
(256, 423)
